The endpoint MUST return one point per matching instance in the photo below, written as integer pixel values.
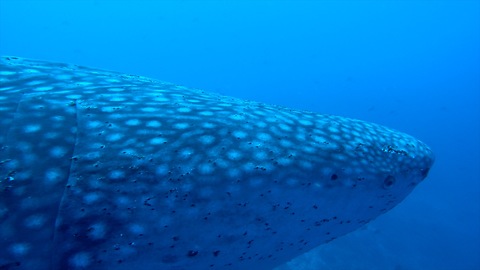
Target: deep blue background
(413, 66)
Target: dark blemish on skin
(216, 252)
(388, 182)
(192, 253)
(334, 177)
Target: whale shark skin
(103, 170)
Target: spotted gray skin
(102, 170)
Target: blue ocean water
(411, 65)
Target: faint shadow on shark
(103, 170)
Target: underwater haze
(413, 66)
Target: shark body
(103, 170)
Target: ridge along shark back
(102, 170)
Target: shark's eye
(388, 182)
(424, 172)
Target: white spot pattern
(145, 158)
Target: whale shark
(104, 170)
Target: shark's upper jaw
(127, 172)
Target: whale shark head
(103, 170)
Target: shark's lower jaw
(102, 170)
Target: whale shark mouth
(102, 170)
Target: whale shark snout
(103, 170)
